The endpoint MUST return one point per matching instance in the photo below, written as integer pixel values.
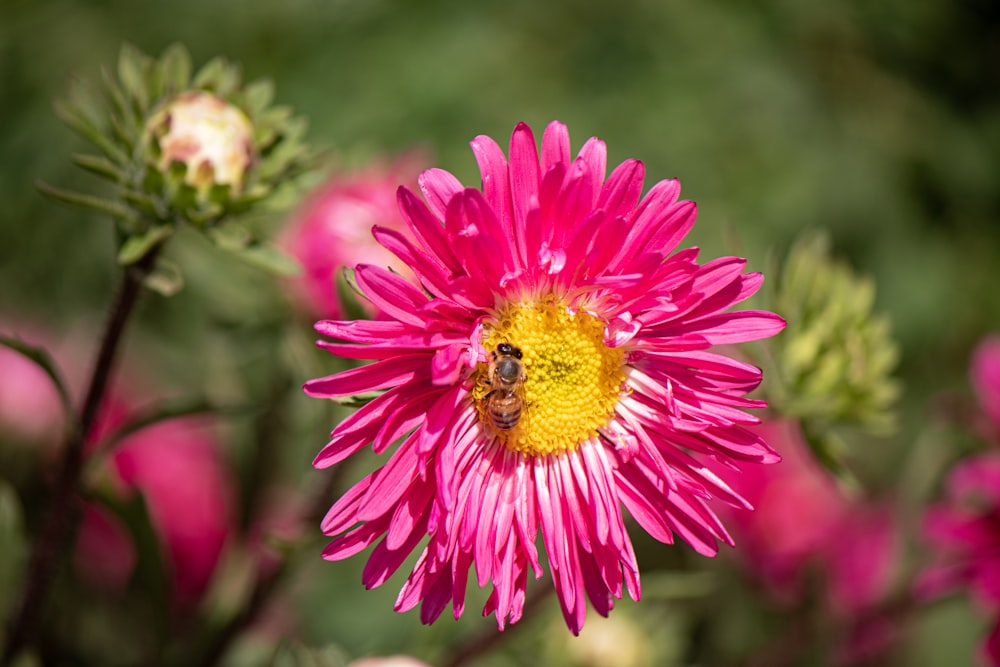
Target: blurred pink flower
(965, 533)
(333, 229)
(985, 376)
(188, 491)
(803, 524)
(178, 468)
(30, 408)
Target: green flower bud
(835, 358)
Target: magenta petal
(379, 375)
(555, 145)
(427, 229)
(393, 295)
(438, 187)
(496, 187)
(621, 192)
(730, 328)
(354, 541)
(525, 174)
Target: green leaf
(165, 279)
(14, 554)
(232, 236)
(138, 246)
(101, 166)
(107, 206)
(269, 258)
(41, 357)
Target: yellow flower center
(573, 380)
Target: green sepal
(133, 71)
(165, 279)
(120, 106)
(349, 294)
(258, 95)
(174, 71)
(138, 246)
(219, 76)
(99, 204)
(220, 193)
(145, 204)
(358, 400)
(100, 166)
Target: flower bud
(198, 149)
(211, 138)
(836, 357)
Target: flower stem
(60, 519)
(483, 643)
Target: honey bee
(506, 378)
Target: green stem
(59, 522)
(479, 645)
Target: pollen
(573, 379)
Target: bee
(506, 378)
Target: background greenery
(878, 120)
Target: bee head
(507, 349)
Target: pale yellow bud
(212, 138)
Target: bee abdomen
(505, 412)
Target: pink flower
(548, 365)
(333, 229)
(965, 531)
(177, 466)
(985, 372)
(798, 526)
(29, 403)
(188, 491)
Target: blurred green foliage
(877, 120)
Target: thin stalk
(60, 519)
(268, 583)
(479, 645)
